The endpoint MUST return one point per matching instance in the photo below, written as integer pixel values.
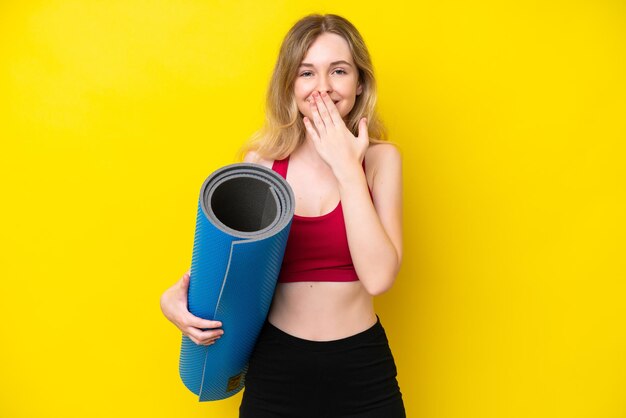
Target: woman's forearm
(376, 259)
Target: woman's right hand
(174, 307)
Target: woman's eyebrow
(306, 64)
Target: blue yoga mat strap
(242, 225)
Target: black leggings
(354, 377)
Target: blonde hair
(284, 129)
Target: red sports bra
(317, 247)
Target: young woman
(323, 352)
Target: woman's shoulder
(381, 155)
(254, 157)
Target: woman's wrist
(349, 174)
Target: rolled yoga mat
(244, 216)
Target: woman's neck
(308, 154)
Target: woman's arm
(374, 229)
(174, 307)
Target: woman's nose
(324, 85)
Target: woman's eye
(339, 70)
(306, 74)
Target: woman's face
(328, 66)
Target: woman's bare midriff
(322, 311)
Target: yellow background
(511, 119)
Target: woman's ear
(359, 89)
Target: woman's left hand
(332, 139)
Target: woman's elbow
(379, 282)
(377, 289)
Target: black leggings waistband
(363, 337)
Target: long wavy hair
(284, 129)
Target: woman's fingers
(201, 331)
(310, 129)
(201, 342)
(332, 111)
(363, 133)
(183, 284)
(203, 337)
(317, 118)
(323, 111)
(198, 322)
